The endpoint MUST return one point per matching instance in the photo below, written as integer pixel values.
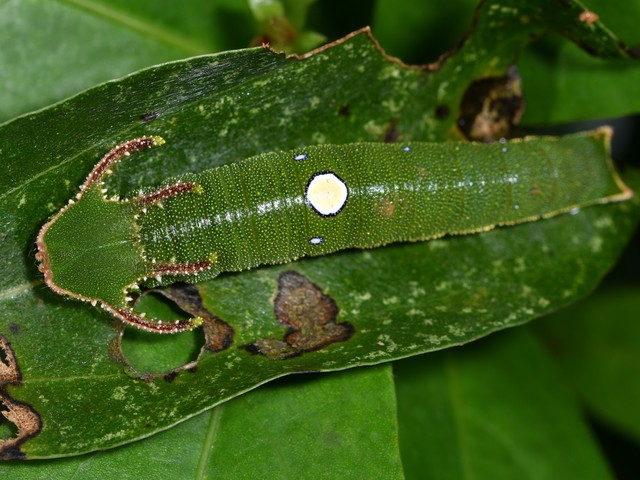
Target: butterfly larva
(280, 206)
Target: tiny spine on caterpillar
(279, 206)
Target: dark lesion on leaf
(150, 116)
(25, 419)
(442, 111)
(9, 372)
(391, 132)
(309, 315)
(344, 110)
(218, 335)
(492, 107)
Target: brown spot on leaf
(588, 17)
(391, 133)
(9, 371)
(218, 334)
(442, 111)
(150, 117)
(310, 318)
(25, 419)
(344, 111)
(492, 107)
(171, 376)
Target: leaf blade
(495, 409)
(45, 156)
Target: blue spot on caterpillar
(279, 206)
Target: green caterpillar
(280, 206)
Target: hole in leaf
(8, 429)
(153, 353)
(9, 371)
(492, 107)
(4, 359)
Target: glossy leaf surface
(56, 48)
(264, 434)
(596, 343)
(220, 109)
(496, 409)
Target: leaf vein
(141, 26)
(209, 442)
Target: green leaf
(497, 409)
(281, 25)
(56, 48)
(563, 84)
(263, 434)
(218, 109)
(596, 344)
(352, 438)
(420, 32)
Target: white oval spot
(316, 240)
(407, 149)
(326, 193)
(300, 157)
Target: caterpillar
(279, 206)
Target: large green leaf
(560, 82)
(596, 343)
(497, 409)
(565, 85)
(51, 49)
(265, 434)
(215, 109)
(420, 31)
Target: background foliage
(508, 405)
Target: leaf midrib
(209, 441)
(144, 27)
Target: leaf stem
(209, 441)
(142, 26)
